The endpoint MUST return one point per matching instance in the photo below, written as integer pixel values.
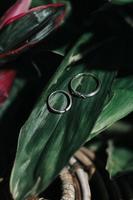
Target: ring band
(69, 101)
(74, 92)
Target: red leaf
(29, 44)
(21, 6)
(6, 80)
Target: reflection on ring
(79, 94)
(69, 101)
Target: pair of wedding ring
(73, 92)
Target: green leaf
(120, 159)
(36, 3)
(47, 140)
(120, 105)
(44, 2)
(19, 35)
(121, 2)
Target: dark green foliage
(96, 38)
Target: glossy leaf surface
(47, 140)
(119, 105)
